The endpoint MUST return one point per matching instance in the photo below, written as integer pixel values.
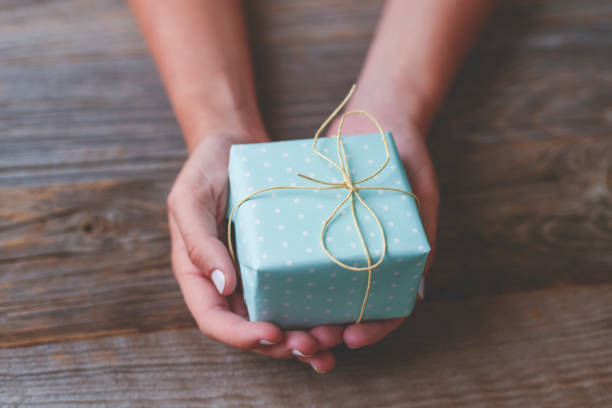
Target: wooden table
(519, 303)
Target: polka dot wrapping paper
(286, 276)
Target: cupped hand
(205, 272)
(409, 137)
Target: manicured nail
(421, 290)
(314, 367)
(298, 353)
(266, 342)
(218, 279)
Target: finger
(328, 336)
(197, 224)
(296, 343)
(237, 305)
(210, 309)
(321, 362)
(364, 334)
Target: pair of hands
(204, 269)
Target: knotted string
(353, 188)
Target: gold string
(353, 192)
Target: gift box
(287, 277)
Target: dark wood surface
(519, 303)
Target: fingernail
(298, 353)
(266, 342)
(218, 279)
(352, 347)
(317, 370)
(421, 290)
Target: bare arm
(201, 50)
(417, 49)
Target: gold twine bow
(353, 188)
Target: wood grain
(548, 348)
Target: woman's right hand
(204, 269)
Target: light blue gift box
(287, 278)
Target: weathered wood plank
(545, 348)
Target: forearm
(416, 51)
(201, 50)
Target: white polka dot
(377, 252)
(260, 238)
(307, 160)
(391, 224)
(250, 189)
(289, 262)
(263, 150)
(370, 161)
(253, 205)
(387, 308)
(338, 195)
(353, 245)
(292, 184)
(408, 213)
(348, 228)
(265, 312)
(403, 198)
(264, 256)
(267, 275)
(354, 279)
(419, 263)
(301, 216)
(266, 287)
(398, 182)
(330, 299)
(281, 227)
(309, 296)
(326, 150)
(420, 247)
(394, 285)
(334, 180)
(327, 311)
(273, 194)
(287, 304)
(303, 144)
(285, 154)
(270, 179)
(331, 288)
(393, 167)
(412, 289)
(329, 239)
(310, 283)
(244, 160)
(366, 147)
(309, 250)
(333, 275)
(285, 244)
(415, 230)
(369, 306)
(396, 273)
(416, 276)
(288, 169)
(396, 240)
(265, 300)
(311, 270)
(296, 200)
(349, 303)
(307, 308)
(399, 260)
(367, 218)
(347, 314)
(287, 292)
(305, 233)
(247, 174)
(319, 205)
(352, 291)
(386, 207)
(285, 316)
(390, 298)
(266, 164)
(380, 192)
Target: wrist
(392, 101)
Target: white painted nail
(298, 353)
(421, 290)
(218, 279)
(265, 342)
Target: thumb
(198, 228)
